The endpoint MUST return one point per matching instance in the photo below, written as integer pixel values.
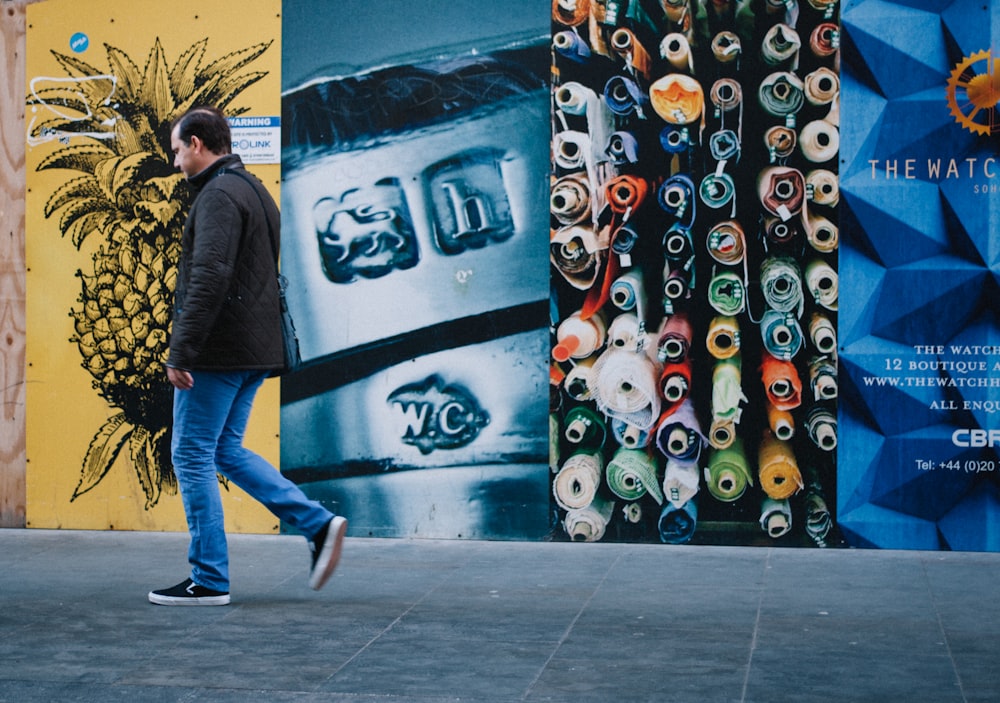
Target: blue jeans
(209, 422)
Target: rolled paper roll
(782, 191)
(675, 384)
(726, 293)
(781, 334)
(780, 231)
(727, 242)
(578, 254)
(677, 525)
(819, 141)
(569, 201)
(726, 47)
(677, 98)
(585, 427)
(630, 436)
(589, 524)
(822, 235)
(822, 86)
(572, 150)
(781, 282)
(781, 94)
(818, 519)
(781, 422)
(624, 240)
(676, 196)
(625, 44)
(723, 338)
(724, 145)
(570, 12)
(624, 332)
(823, 334)
(780, 142)
(580, 379)
(727, 474)
(717, 189)
(674, 338)
(678, 434)
(782, 384)
(625, 387)
(631, 474)
(821, 280)
(623, 148)
(824, 186)
(775, 517)
(823, 378)
(727, 390)
(627, 292)
(778, 471)
(576, 483)
(825, 39)
(821, 424)
(781, 43)
(577, 338)
(632, 512)
(680, 482)
(726, 95)
(676, 49)
(571, 45)
(678, 244)
(624, 97)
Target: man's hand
(180, 379)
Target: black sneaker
(188, 593)
(326, 548)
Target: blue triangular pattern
(976, 214)
(872, 526)
(902, 137)
(857, 301)
(865, 108)
(867, 381)
(965, 21)
(974, 523)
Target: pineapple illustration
(114, 129)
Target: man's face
(187, 157)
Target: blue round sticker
(79, 42)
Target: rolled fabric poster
(624, 240)
(727, 243)
(781, 43)
(674, 338)
(576, 483)
(570, 12)
(632, 512)
(780, 231)
(580, 379)
(675, 384)
(825, 6)
(678, 282)
(822, 86)
(717, 190)
(577, 338)
(624, 97)
(721, 433)
(677, 11)
(781, 94)
(631, 474)
(727, 474)
(571, 45)
(727, 390)
(781, 334)
(590, 523)
(578, 253)
(626, 193)
(778, 470)
(678, 434)
(623, 148)
(677, 98)
(625, 386)
(584, 427)
(678, 244)
(823, 378)
(782, 191)
(675, 140)
(781, 281)
(575, 98)
(726, 293)
(724, 145)
(825, 39)
(782, 384)
(569, 201)
(819, 141)
(822, 235)
(727, 95)
(823, 334)
(676, 196)
(677, 525)
(775, 517)
(625, 44)
(625, 332)
(824, 186)
(821, 280)
(821, 424)
(630, 436)
(680, 482)
(780, 142)
(781, 422)
(726, 47)
(676, 49)
(572, 150)
(723, 337)
(818, 519)
(628, 291)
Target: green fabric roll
(726, 293)
(728, 474)
(631, 474)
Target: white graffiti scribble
(42, 84)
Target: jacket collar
(229, 161)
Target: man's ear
(197, 145)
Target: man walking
(225, 340)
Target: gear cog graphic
(973, 92)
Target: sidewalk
(427, 621)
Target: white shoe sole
(328, 558)
(157, 599)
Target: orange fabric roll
(781, 382)
(570, 12)
(677, 98)
(778, 471)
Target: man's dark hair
(209, 125)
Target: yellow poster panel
(105, 208)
